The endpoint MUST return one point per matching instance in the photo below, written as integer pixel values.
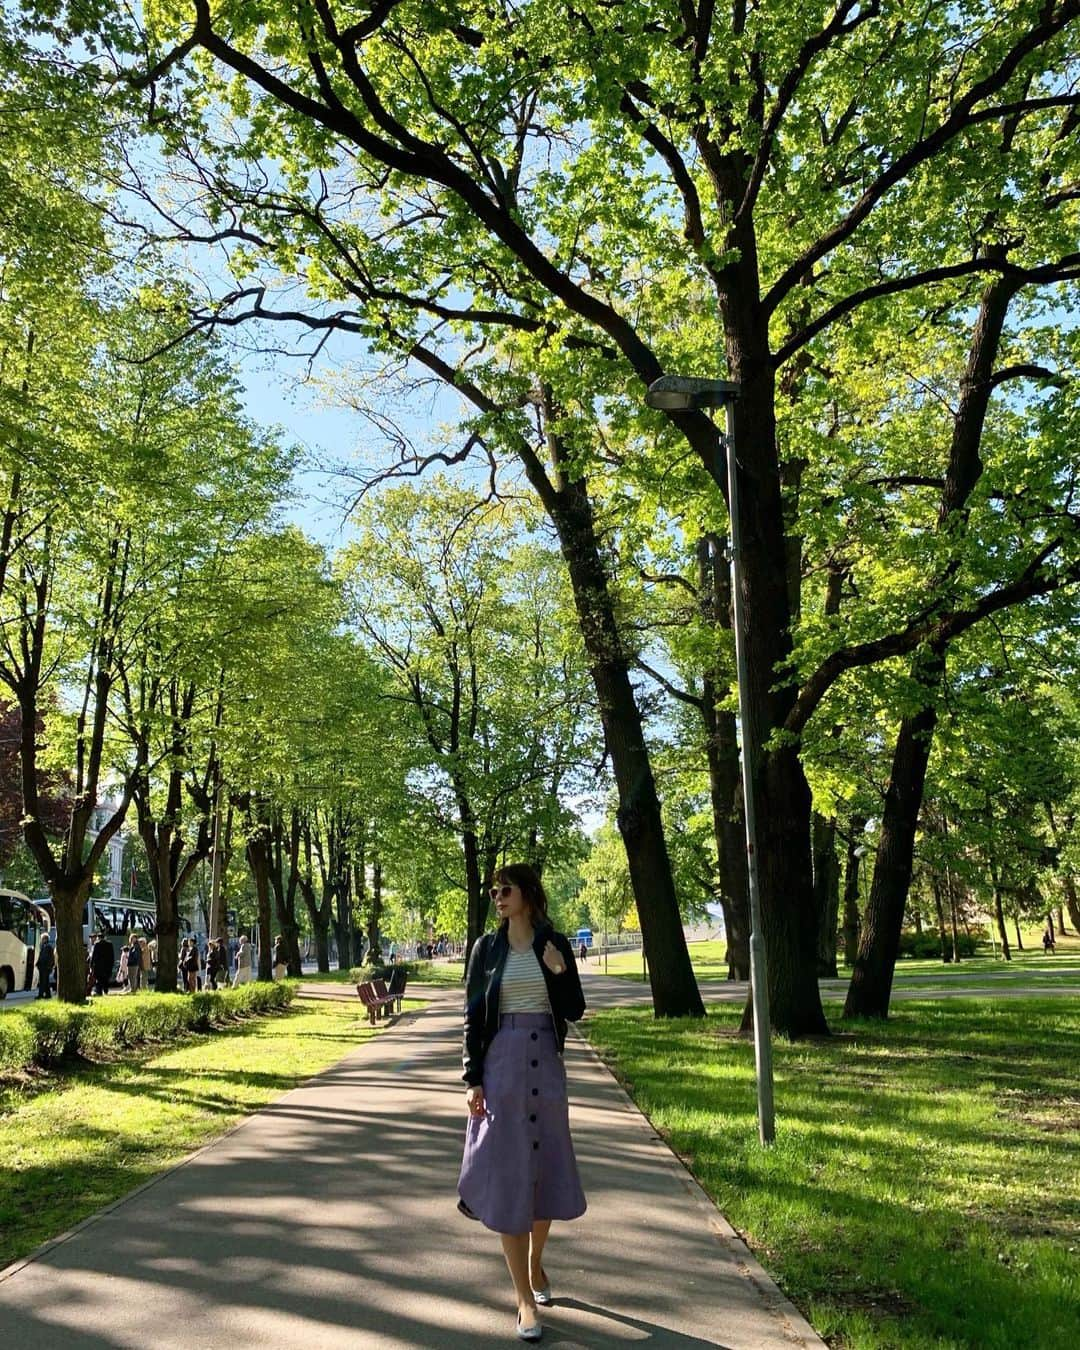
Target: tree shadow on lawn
(878, 1103)
(949, 1273)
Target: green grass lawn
(710, 963)
(924, 1189)
(72, 1142)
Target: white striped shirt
(523, 989)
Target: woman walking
(519, 1171)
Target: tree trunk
(258, 856)
(1068, 882)
(284, 868)
(999, 915)
(826, 893)
(935, 884)
(1072, 902)
(871, 984)
(1019, 939)
(356, 898)
(725, 791)
(674, 987)
(68, 904)
(1061, 921)
(782, 802)
(871, 981)
(950, 886)
(851, 891)
(374, 954)
(725, 778)
(477, 902)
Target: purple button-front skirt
(519, 1162)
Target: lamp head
(682, 393)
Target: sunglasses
(500, 892)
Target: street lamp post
(680, 393)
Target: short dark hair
(532, 888)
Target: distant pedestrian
(46, 960)
(583, 951)
(192, 966)
(1049, 946)
(216, 963)
(518, 1172)
(244, 952)
(101, 964)
(281, 960)
(134, 964)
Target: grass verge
(1026, 967)
(924, 1189)
(73, 1142)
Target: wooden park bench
(376, 1004)
(398, 980)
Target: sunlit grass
(72, 1142)
(924, 1189)
(710, 963)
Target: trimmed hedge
(45, 1034)
(927, 944)
(364, 974)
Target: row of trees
(875, 217)
(169, 646)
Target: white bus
(116, 920)
(22, 924)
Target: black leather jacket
(484, 980)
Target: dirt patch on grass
(1050, 1112)
(874, 1301)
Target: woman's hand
(553, 959)
(474, 1099)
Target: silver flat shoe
(543, 1296)
(532, 1333)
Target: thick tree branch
(1052, 19)
(1047, 273)
(839, 24)
(928, 630)
(1028, 372)
(683, 695)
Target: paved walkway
(327, 1220)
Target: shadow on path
(328, 1220)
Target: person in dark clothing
(216, 963)
(46, 959)
(191, 966)
(101, 964)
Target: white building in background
(102, 814)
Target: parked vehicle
(583, 935)
(22, 924)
